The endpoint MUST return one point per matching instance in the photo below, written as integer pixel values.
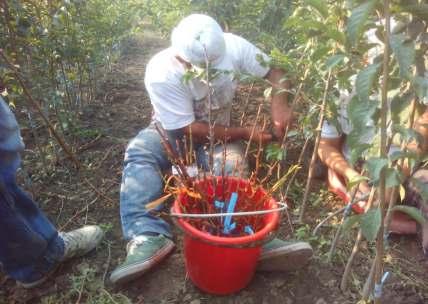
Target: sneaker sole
(131, 272)
(289, 258)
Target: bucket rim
(228, 241)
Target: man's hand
(363, 187)
(281, 116)
(281, 112)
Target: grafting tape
(377, 291)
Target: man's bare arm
(280, 110)
(329, 151)
(200, 133)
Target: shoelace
(71, 242)
(136, 242)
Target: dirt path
(73, 199)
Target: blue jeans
(142, 182)
(29, 244)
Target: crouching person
(181, 107)
(335, 154)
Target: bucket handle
(244, 213)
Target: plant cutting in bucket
(221, 252)
(225, 221)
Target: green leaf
(334, 60)
(365, 81)
(370, 223)
(274, 152)
(360, 112)
(336, 35)
(350, 222)
(292, 133)
(356, 22)
(356, 180)
(421, 86)
(396, 155)
(404, 52)
(393, 177)
(407, 134)
(374, 166)
(413, 212)
(319, 6)
(357, 149)
(420, 10)
(400, 108)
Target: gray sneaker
(76, 243)
(279, 255)
(81, 241)
(143, 252)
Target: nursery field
(91, 106)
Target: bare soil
(91, 196)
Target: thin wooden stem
(299, 162)
(383, 154)
(246, 104)
(314, 153)
(368, 285)
(339, 229)
(210, 122)
(355, 249)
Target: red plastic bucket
(223, 265)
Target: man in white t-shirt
(181, 108)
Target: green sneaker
(279, 255)
(144, 252)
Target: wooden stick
(175, 159)
(339, 229)
(259, 149)
(299, 163)
(355, 249)
(246, 104)
(315, 152)
(210, 122)
(383, 153)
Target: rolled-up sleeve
(329, 131)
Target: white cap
(197, 34)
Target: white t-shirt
(329, 130)
(177, 104)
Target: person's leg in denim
(142, 182)
(30, 246)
